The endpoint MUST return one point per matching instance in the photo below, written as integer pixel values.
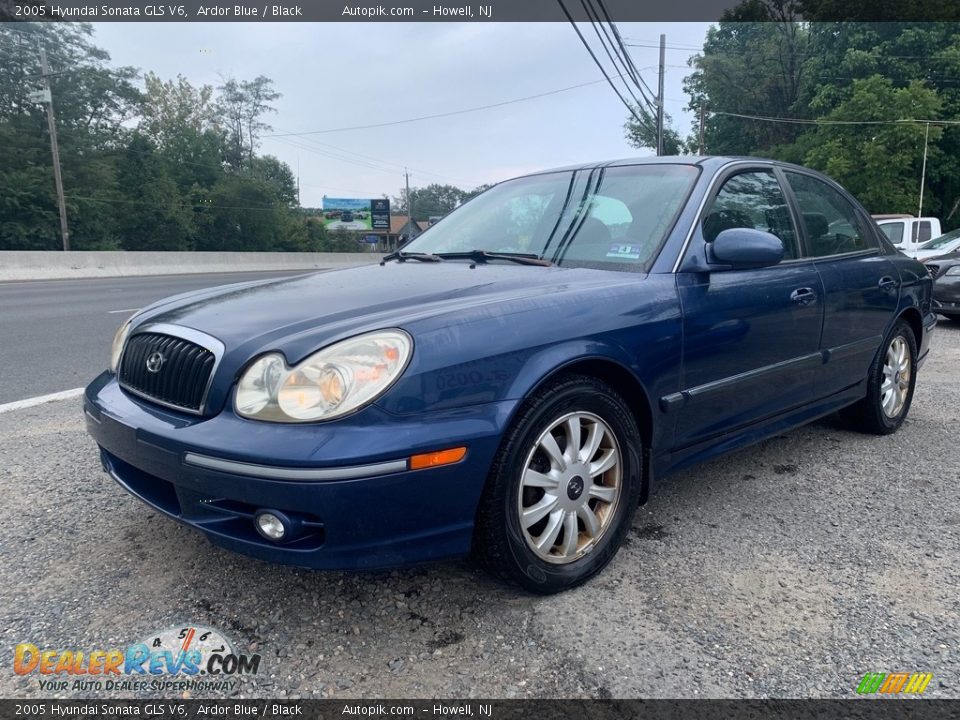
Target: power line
(807, 121)
(194, 206)
(638, 77)
(437, 115)
(598, 63)
(615, 59)
(308, 144)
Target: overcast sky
(344, 74)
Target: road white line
(113, 312)
(40, 400)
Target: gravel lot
(787, 570)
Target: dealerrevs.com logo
(179, 658)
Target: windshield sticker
(627, 252)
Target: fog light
(270, 526)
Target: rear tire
(890, 384)
(563, 488)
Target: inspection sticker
(627, 252)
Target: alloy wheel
(895, 387)
(570, 487)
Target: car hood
(948, 258)
(300, 314)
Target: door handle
(803, 296)
(887, 283)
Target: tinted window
(628, 215)
(752, 200)
(923, 232)
(618, 225)
(894, 231)
(831, 222)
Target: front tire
(563, 488)
(890, 385)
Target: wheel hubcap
(896, 378)
(570, 487)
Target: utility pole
(700, 149)
(923, 172)
(54, 148)
(663, 55)
(406, 175)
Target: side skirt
(671, 462)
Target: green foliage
(432, 200)
(168, 167)
(641, 131)
(836, 77)
(880, 164)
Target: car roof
(708, 162)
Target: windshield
(949, 238)
(894, 231)
(611, 219)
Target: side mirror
(740, 248)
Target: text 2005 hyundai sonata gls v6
(515, 380)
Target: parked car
(346, 216)
(942, 245)
(945, 270)
(469, 394)
(908, 233)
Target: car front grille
(167, 369)
(933, 269)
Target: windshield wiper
(404, 256)
(483, 256)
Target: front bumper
(946, 295)
(345, 483)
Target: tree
(432, 200)
(761, 60)
(242, 106)
(642, 133)
(181, 122)
(94, 102)
(278, 175)
(751, 64)
(154, 217)
(879, 164)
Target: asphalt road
(787, 570)
(55, 335)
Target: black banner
(380, 214)
(453, 11)
(884, 709)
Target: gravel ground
(787, 570)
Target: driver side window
(752, 200)
(831, 222)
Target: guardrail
(56, 265)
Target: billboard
(380, 214)
(356, 213)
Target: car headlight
(330, 383)
(119, 340)
(955, 270)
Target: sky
(340, 75)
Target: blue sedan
(515, 381)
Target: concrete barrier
(54, 265)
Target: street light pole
(923, 171)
